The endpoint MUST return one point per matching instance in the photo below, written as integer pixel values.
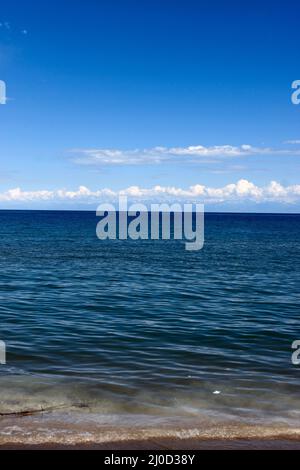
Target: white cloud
(292, 142)
(242, 190)
(192, 153)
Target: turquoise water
(146, 328)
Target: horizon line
(205, 212)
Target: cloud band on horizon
(242, 190)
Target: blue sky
(177, 99)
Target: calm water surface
(147, 328)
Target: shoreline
(167, 444)
(76, 432)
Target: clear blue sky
(95, 86)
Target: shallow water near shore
(143, 334)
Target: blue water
(146, 327)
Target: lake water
(145, 331)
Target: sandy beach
(168, 444)
(80, 431)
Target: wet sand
(58, 430)
(169, 444)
